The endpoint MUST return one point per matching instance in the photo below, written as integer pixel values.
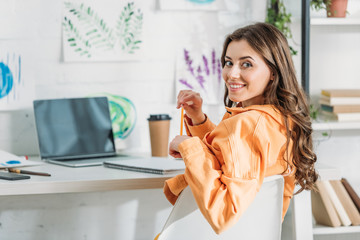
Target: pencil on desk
(182, 121)
(13, 170)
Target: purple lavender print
(201, 73)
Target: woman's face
(245, 73)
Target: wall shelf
(303, 227)
(334, 21)
(324, 230)
(333, 125)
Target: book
(342, 117)
(339, 100)
(344, 218)
(323, 210)
(346, 202)
(341, 92)
(353, 195)
(340, 108)
(157, 165)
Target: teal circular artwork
(6, 80)
(123, 115)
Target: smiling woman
(265, 131)
(6, 79)
(245, 73)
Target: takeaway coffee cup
(159, 126)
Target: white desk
(83, 179)
(83, 203)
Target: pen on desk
(13, 170)
(182, 121)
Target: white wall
(32, 28)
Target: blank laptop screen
(74, 128)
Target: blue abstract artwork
(11, 83)
(6, 79)
(202, 1)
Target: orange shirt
(226, 164)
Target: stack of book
(341, 104)
(335, 203)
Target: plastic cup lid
(157, 117)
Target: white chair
(261, 221)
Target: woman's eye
(228, 63)
(246, 64)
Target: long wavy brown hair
(284, 93)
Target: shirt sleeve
(224, 171)
(198, 130)
(174, 186)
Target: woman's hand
(174, 145)
(192, 104)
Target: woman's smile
(236, 86)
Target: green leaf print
(87, 32)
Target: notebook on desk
(75, 132)
(156, 165)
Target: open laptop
(75, 132)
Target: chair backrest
(262, 220)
